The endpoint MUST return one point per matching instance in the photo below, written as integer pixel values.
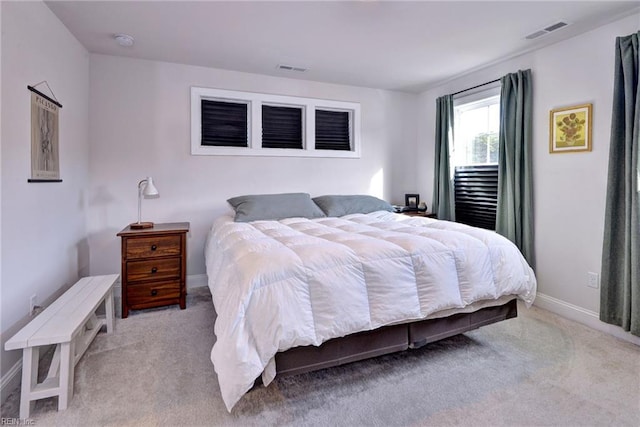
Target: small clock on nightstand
(154, 266)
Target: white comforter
(296, 282)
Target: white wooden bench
(71, 324)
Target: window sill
(271, 152)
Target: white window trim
(254, 123)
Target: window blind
(332, 130)
(281, 127)
(224, 124)
(476, 195)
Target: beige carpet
(537, 369)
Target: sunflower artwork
(570, 129)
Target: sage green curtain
(620, 284)
(442, 203)
(514, 212)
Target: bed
(322, 288)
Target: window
(476, 131)
(475, 158)
(224, 124)
(281, 127)
(332, 130)
(227, 122)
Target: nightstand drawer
(155, 246)
(154, 269)
(149, 294)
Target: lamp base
(139, 225)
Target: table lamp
(147, 190)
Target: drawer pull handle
(154, 292)
(154, 247)
(154, 270)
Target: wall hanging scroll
(45, 130)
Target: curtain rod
(475, 87)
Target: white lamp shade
(149, 190)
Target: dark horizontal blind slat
(332, 130)
(281, 127)
(476, 195)
(223, 124)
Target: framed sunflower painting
(570, 129)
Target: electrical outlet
(593, 280)
(32, 304)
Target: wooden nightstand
(154, 266)
(419, 213)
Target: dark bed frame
(388, 339)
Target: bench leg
(109, 310)
(55, 363)
(67, 364)
(30, 358)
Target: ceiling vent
(291, 68)
(546, 30)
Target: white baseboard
(581, 315)
(196, 281)
(10, 380)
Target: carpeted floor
(537, 369)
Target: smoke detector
(124, 40)
(546, 30)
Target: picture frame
(412, 201)
(570, 129)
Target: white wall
(140, 126)
(43, 225)
(569, 189)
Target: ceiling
(398, 45)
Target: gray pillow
(345, 205)
(274, 207)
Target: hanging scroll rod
(48, 98)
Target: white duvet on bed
(296, 282)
